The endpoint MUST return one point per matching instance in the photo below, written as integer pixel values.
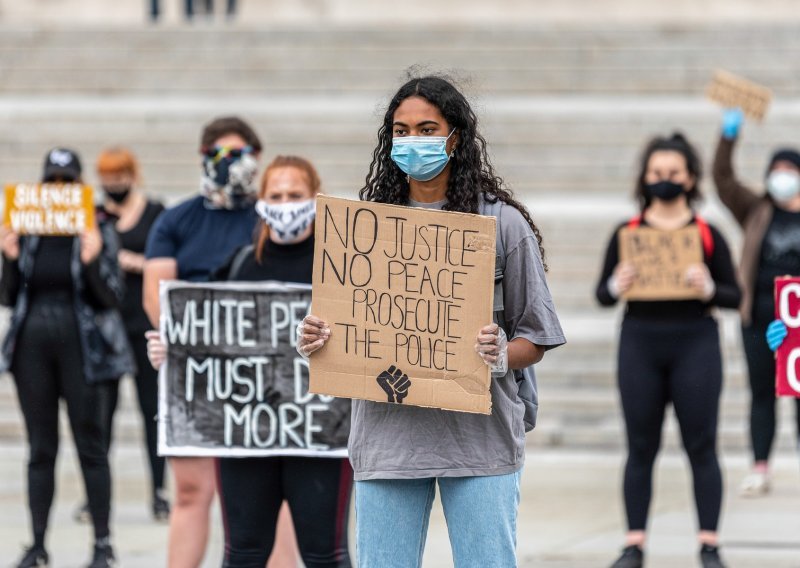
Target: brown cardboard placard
(661, 259)
(48, 208)
(405, 291)
(732, 91)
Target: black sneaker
(632, 557)
(160, 507)
(82, 515)
(34, 557)
(103, 556)
(709, 557)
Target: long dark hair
(471, 172)
(675, 143)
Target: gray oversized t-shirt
(392, 441)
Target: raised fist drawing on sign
(394, 383)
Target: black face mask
(117, 193)
(664, 190)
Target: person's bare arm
(156, 270)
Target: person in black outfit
(669, 350)
(66, 342)
(317, 489)
(118, 171)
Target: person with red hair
(317, 489)
(134, 215)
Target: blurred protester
(208, 6)
(66, 341)
(188, 242)
(669, 349)
(134, 216)
(771, 225)
(317, 489)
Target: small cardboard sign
(787, 309)
(732, 91)
(48, 208)
(405, 291)
(233, 383)
(661, 259)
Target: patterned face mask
(287, 221)
(229, 178)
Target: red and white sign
(787, 357)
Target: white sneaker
(756, 484)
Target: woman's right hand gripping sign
(312, 333)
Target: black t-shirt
(780, 256)
(51, 279)
(727, 295)
(135, 240)
(283, 263)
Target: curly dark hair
(471, 172)
(675, 143)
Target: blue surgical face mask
(421, 157)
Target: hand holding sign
(395, 384)
(91, 245)
(700, 279)
(312, 333)
(623, 278)
(492, 346)
(9, 241)
(776, 333)
(156, 349)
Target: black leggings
(317, 491)
(146, 380)
(48, 366)
(761, 369)
(678, 362)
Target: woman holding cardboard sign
(771, 225)
(430, 154)
(66, 341)
(317, 487)
(669, 348)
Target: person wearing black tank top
(317, 489)
(669, 350)
(65, 341)
(135, 214)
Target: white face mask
(287, 221)
(783, 185)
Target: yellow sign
(48, 208)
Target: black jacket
(98, 289)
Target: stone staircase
(566, 111)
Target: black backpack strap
(238, 261)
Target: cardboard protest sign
(233, 383)
(661, 259)
(787, 309)
(732, 91)
(48, 208)
(405, 291)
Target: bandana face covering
(229, 178)
(287, 221)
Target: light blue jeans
(481, 512)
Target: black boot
(34, 557)
(709, 557)
(632, 557)
(103, 555)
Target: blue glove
(732, 119)
(776, 333)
